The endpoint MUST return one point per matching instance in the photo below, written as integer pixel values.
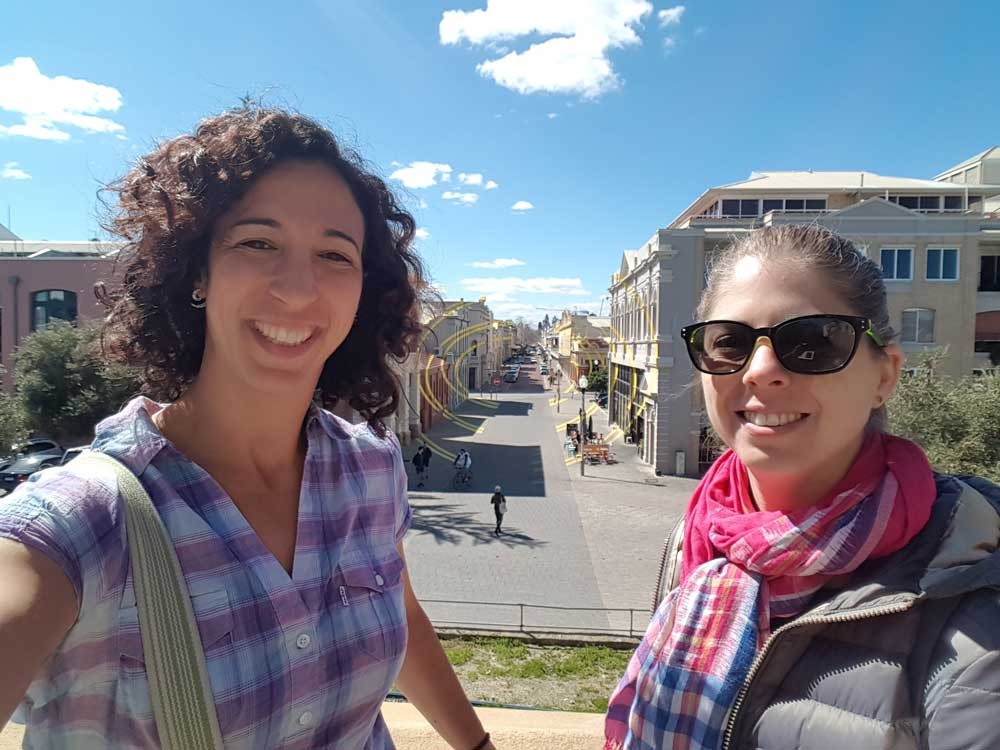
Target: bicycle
(462, 478)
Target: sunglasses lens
(815, 345)
(721, 348)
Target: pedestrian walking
(499, 508)
(825, 588)
(427, 461)
(419, 466)
(266, 275)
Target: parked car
(23, 467)
(34, 446)
(510, 377)
(72, 453)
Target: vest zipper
(814, 620)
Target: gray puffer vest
(905, 656)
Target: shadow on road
(518, 468)
(448, 523)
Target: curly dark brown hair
(169, 202)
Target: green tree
(64, 386)
(11, 421)
(955, 420)
(597, 381)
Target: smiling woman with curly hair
(266, 268)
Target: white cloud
(11, 171)
(498, 263)
(669, 42)
(421, 233)
(552, 115)
(422, 174)
(700, 30)
(490, 185)
(470, 179)
(48, 105)
(465, 198)
(502, 289)
(671, 16)
(574, 57)
(522, 206)
(512, 310)
(422, 203)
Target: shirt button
(306, 719)
(303, 641)
(379, 579)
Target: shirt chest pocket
(214, 616)
(365, 600)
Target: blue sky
(606, 117)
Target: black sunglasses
(809, 345)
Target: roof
(826, 183)
(990, 153)
(49, 250)
(836, 181)
(6, 234)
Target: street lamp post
(583, 407)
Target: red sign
(496, 381)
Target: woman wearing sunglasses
(825, 589)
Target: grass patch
(505, 670)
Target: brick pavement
(573, 542)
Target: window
(772, 205)
(918, 326)
(795, 205)
(818, 204)
(730, 208)
(51, 305)
(930, 203)
(897, 263)
(475, 348)
(749, 208)
(975, 203)
(942, 263)
(953, 203)
(989, 273)
(909, 201)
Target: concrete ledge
(523, 730)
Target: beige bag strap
(179, 689)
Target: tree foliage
(64, 387)
(955, 420)
(11, 421)
(597, 380)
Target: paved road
(569, 541)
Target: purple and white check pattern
(300, 661)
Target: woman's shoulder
(87, 496)
(359, 439)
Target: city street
(569, 541)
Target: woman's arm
(429, 683)
(37, 608)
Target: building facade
(937, 242)
(42, 282)
(579, 344)
(466, 337)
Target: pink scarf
(743, 567)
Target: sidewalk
(626, 509)
(510, 729)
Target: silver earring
(198, 301)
